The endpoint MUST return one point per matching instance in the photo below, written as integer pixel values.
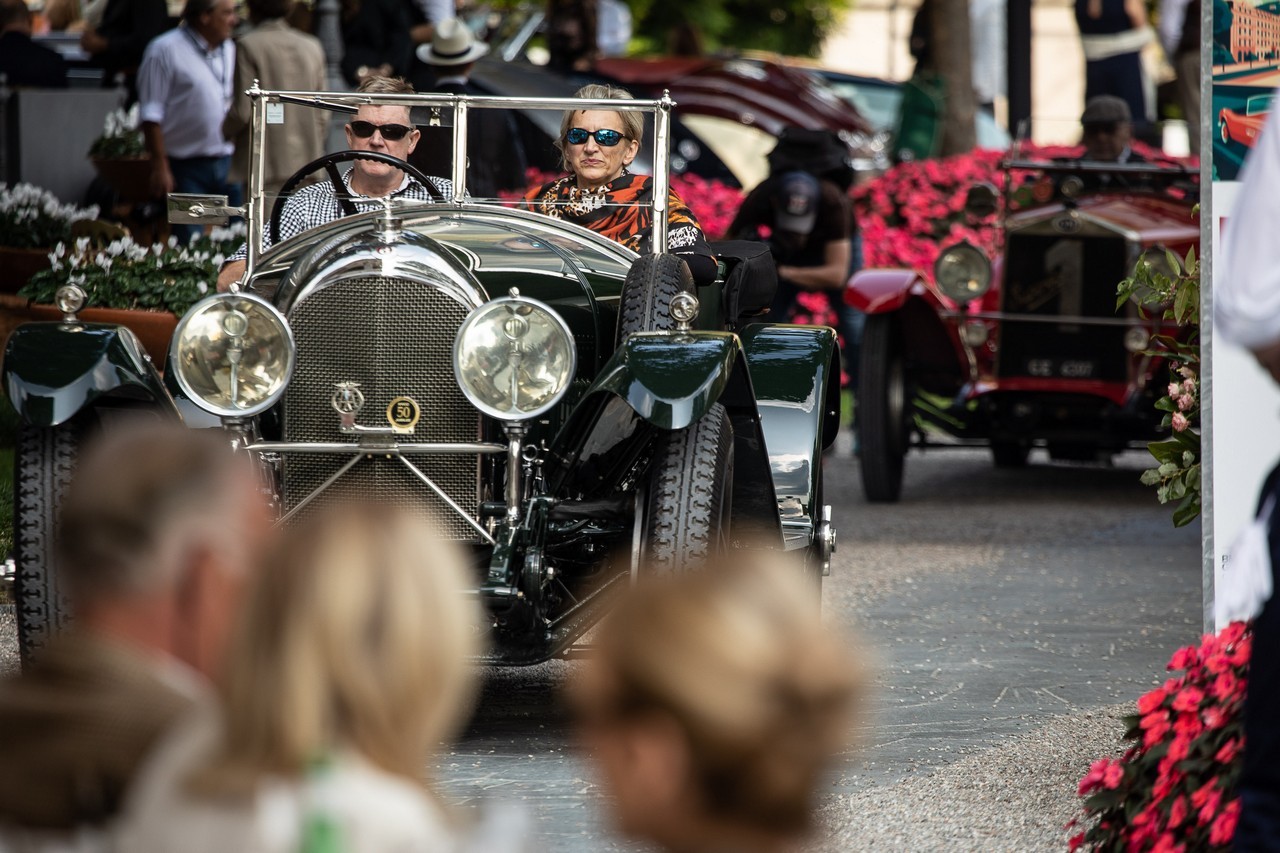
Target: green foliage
(1172, 290)
(125, 274)
(796, 27)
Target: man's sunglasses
(607, 138)
(390, 132)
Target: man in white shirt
(185, 88)
(1246, 312)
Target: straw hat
(452, 44)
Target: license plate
(1061, 368)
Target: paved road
(991, 602)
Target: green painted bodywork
(53, 370)
(670, 379)
(795, 373)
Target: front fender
(670, 379)
(795, 371)
(53, 370)
(881, 291)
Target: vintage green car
(574, 413)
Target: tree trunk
(953, 57)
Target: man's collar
(405, 181)
(451, 79)
(199, 40)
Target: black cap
(796, 198)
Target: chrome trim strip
(339, 448)
(351, 463)
(484, 534)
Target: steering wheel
(329, 163)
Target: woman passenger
(600, 193)
(715, 705)
(350, 666)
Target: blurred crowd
(229, 685)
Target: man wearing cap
(805, 207)
(496, 159)
(1108, 128)
(1246, 312)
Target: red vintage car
(1026, 348)
(1243, 128)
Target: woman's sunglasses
(390, 132)
(607, 138)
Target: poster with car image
(1246, 71)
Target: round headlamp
(514, 358)
(69, 298)
(233, 354)
(962, 272)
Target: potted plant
(146, 288)
(32, 221)
(120, 155)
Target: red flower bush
(908, 214)
(1175, 788)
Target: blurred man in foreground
(155, 532)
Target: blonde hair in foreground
(736, 654)
(356, 635)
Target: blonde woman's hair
(737, 656)
(356, 636)
(632, 121)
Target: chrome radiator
(394, 337)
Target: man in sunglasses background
(380, 128)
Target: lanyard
(223, 78)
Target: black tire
(883, 424)
(1222, 131)
(645, 304)
(1010, 454)
(690, 495)
(44, 460)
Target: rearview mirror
(197, 209)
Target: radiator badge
(403, 414)
(347, 401)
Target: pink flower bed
(1175, 788)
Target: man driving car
(1108, 128)
(380, 128)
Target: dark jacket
(497, 158)
(129, 26)
(25, 63)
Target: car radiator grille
(1075, 278)
(394, 337)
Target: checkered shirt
(317, 204)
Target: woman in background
(350, 665)
(715, 706)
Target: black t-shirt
(834, 222)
